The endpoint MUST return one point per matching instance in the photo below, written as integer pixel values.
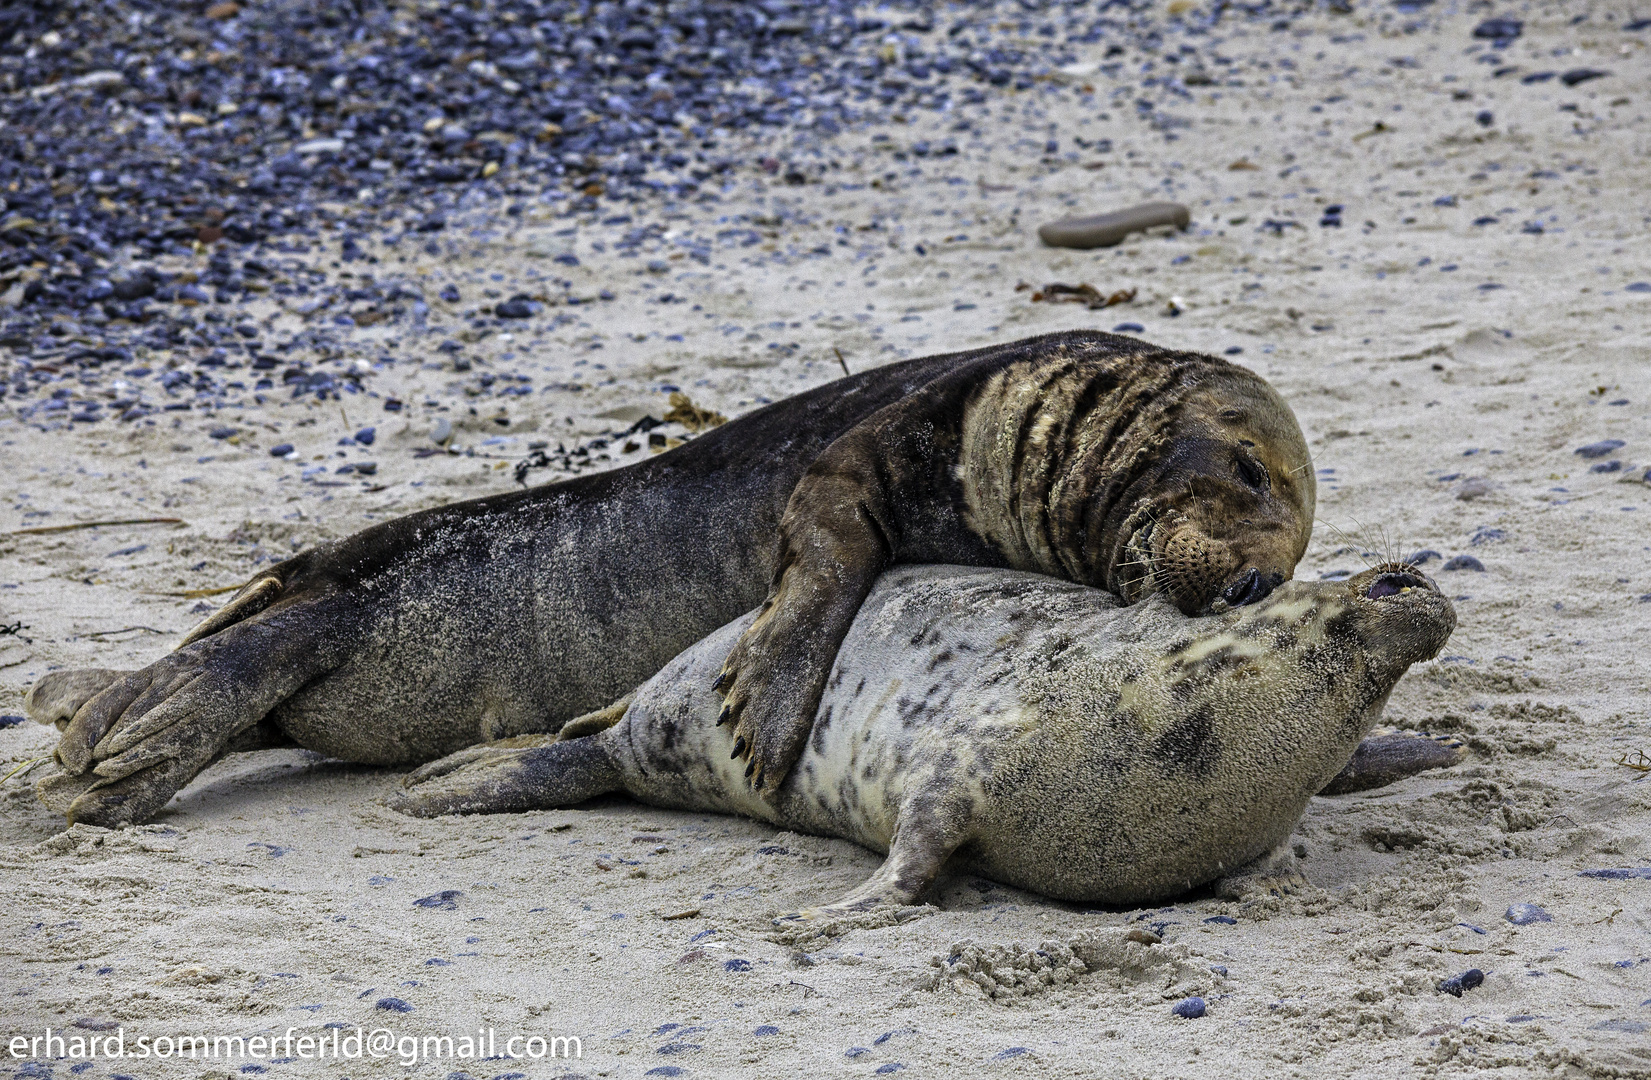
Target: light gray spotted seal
(1046, 736)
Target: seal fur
(1035, 729)
(515, 613)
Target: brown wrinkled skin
(1084, 455)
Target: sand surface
(1448, 347)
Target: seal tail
(496, 778)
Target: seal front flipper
(924, 838)
(835, 540)
(1275, 873)
(508, 777)
(1383, 759)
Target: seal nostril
(1393, 584)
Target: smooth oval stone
(1106, 230)
(1525, 914)
(1190, 1008)
(1598, 449)
(1467, 980)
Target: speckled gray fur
(1036, 729)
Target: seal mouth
(1395, 582)
(1250, 587)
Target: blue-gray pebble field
(275, 270)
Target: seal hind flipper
(255, 596)
(599, 720)
(495, 779)
(55, 697)
(133, 745)
(1385, 759)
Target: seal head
(1143, 473)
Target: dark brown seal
(1115, 463)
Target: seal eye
(1251, 471)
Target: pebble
(1599, 449)
(1577, 76)
(1108, 230)
(1526, 914)
(446, 900)
(1423, 557)
(1189, 1008)
(1464, 562)
(442, 432)
(1456, 984)
(1499, 30)
(1620, 873)
(392, 1004)
(11, 720)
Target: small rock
(1619, 873)
(449, 293)
(1599, 449)
(446, 900)
(767, 1029)
(1474, 487)
(1109, 230)
(1456, 984)
(1423, 557)
(392, 1004)
(518, 307)
(1499, 29)
(442, 432)
(1526, 914)
(1464, 562)
(281, 450)
(1189, 1008)
(1582, 75)
(737, 965)
(366, 436)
